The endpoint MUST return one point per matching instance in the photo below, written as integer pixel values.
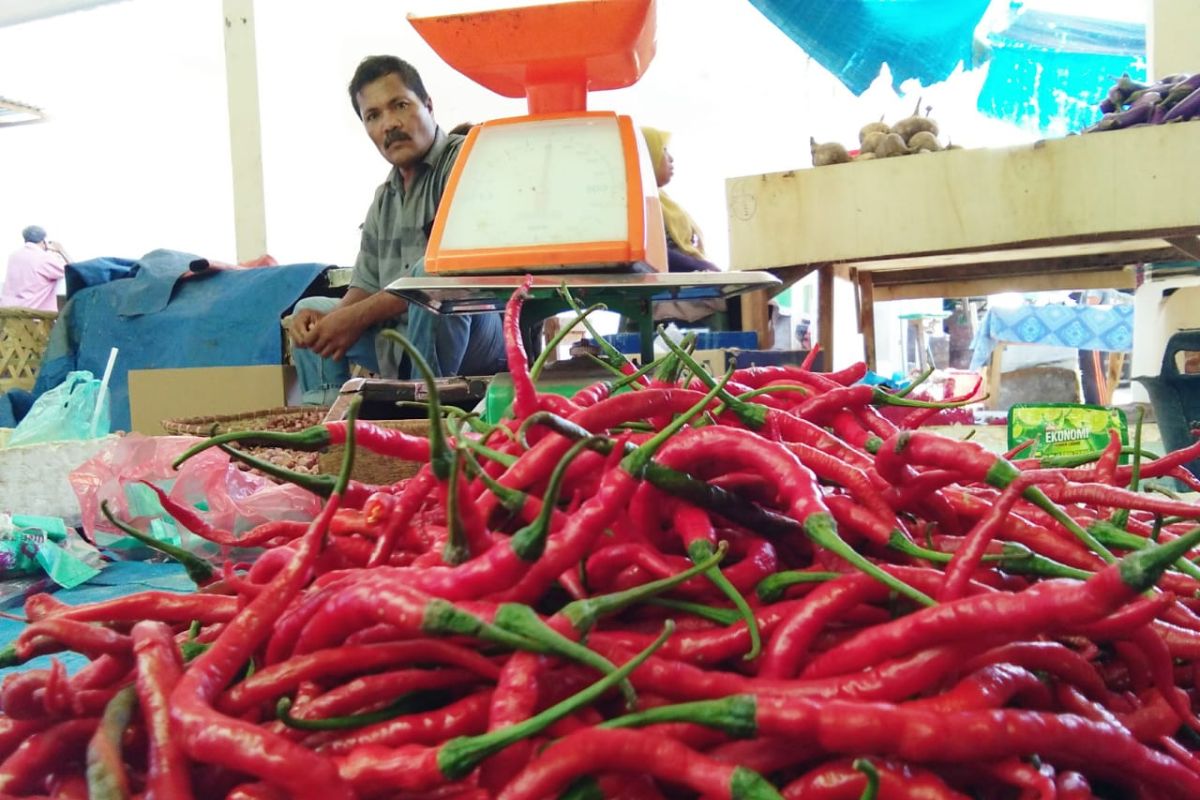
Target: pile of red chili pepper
(668, 585)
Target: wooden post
(866, 316)
(825, 279)
(756, 317)
(993, 376)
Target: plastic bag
(64, 413)
(225, 496)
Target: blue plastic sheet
(924, 40)
(214, 318)
(115, 580)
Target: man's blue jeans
(454, 344)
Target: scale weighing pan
(561, 188)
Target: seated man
(390, 99)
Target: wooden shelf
(1070, 213)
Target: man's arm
(333, 334)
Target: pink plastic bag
(236, 500)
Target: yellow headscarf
(681, 228)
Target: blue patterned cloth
(1108, 328)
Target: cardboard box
(158, 394)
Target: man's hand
(336, 332)
(303, 323)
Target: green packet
(1064, 429)
(32, 544)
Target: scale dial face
(541, 182)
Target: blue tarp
(159, 320)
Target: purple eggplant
(1107, 106)
(1181, 90)
(1186, 108)
(1134, 115)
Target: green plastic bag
(64, 413)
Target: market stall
(679, 576)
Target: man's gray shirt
(396, 231)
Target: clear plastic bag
(64, 413)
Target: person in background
(390, 98)
(685, 242)
(31, 280)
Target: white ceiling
(14, 12)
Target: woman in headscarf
(684, 238)
(685, 243)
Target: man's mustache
(391, 137)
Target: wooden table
(1070, 213)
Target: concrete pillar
(245, 136)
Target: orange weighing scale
(561, 188)
(563, 193)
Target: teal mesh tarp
(1050, 71)
(918, 39)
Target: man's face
(400, 125)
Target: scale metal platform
(631, 294)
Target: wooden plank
(1188, 245)
(866, 317)
(1110, 252)
(995, 285)
(1044, 193)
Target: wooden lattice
(23, 337)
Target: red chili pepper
(525, 395)
(207, 736)
(993, 686)
(465, 717)
(968, 557)
(106, 774)
(158, 671)
(516, 699)
(839, 780)
(1047, 604)
(52, 634)
(38, 756)
(976, 463)
(371, 691)
(1071, 785)
(1050, 657)
(372, 769)
(633, 752)
(840, 726)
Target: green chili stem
(309, 439)
(772, 587)
(722, 616)
(920, 379)
(459, 756)
(198, 569)
(734, 714)
(524, 621)
(698, 551)
(539, 363)
(604, 345)
(774, 389)
(871, 790)
(456, 550)
(582, 614)
(1113, 536)
(440, 457)
(408, 704)
(529, 542)
(320, 485)
(822, 530)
